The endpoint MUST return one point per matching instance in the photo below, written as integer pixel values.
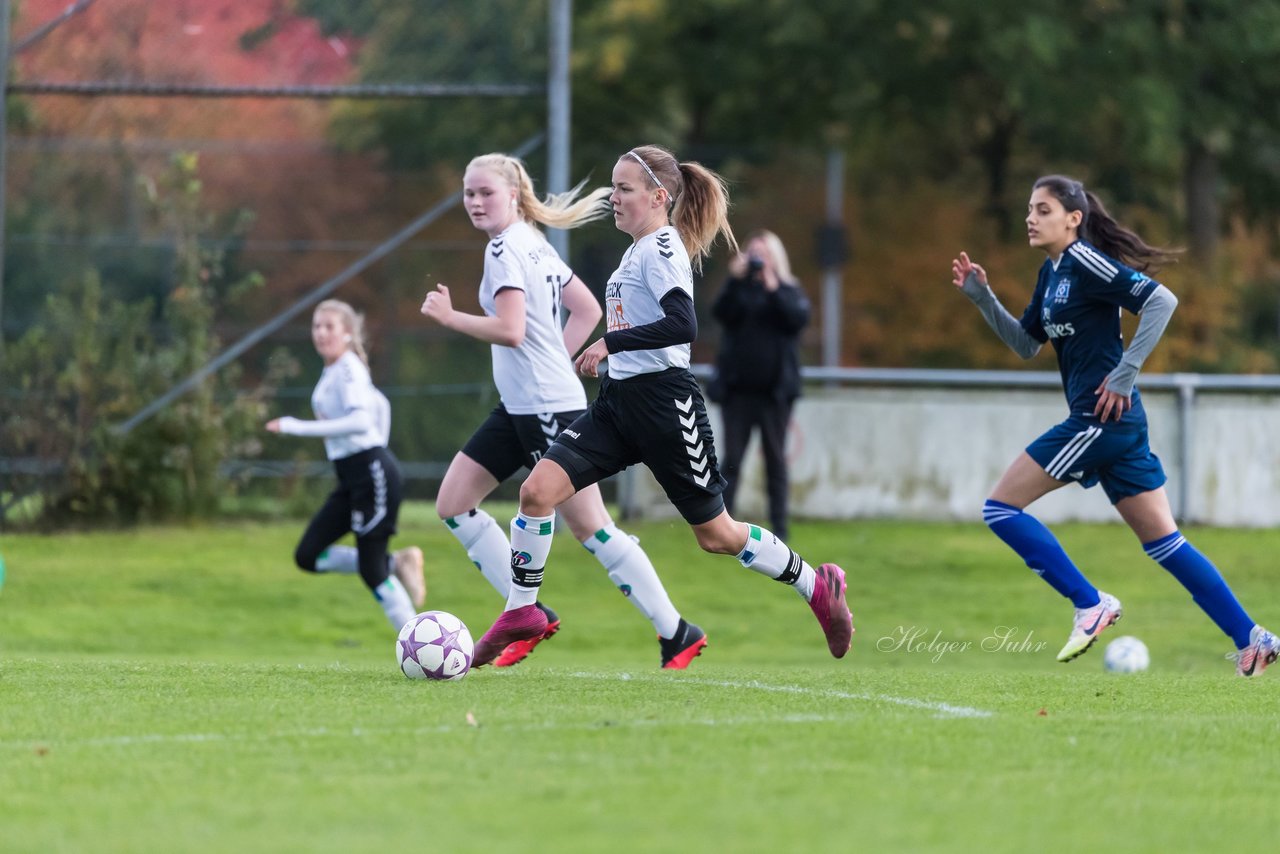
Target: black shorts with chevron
(505, 442)
(657, 419)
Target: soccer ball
(1126, 655)
(434, 645)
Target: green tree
(1171, 108)
(94, 360)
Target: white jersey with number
(537, 377)
(351, 415)
(651, 267)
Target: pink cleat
(831, 610)
(518, 624)
(518, 651)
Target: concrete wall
(935, 453)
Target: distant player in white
(525, 293)
(650, 408)
(354, 418)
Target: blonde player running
(525, 292)
(354, 419)
(650, 409)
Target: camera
(754, 264)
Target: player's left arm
(1116, 391)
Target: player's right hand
(961, 268)
(588, 361)
(438, 305)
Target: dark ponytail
(1100, 228)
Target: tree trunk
(1203, 214)
(995, 152)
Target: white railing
(870, 442)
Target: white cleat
(1089, 623)
(1262, 650)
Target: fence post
(1186, 406)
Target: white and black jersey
(537, 376)
(651, 267)
(351, 415)
(650, 409)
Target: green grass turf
(184, 689)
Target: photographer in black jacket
(763, 311)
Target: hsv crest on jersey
(1063, 291)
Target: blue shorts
(1083, 451)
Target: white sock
(344, 559)
(395, 602)
(632, 572)
(530, 546)
(487, 547)
(768, 555)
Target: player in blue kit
(650, 409)
(1088, 278)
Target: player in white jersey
(650, 409)
(525, 292)
(354, 418)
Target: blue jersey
(1077, 306)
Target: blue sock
(1039, 548)
(1195, 572)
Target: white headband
(640, 160)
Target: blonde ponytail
(558, 210)
(700, 212)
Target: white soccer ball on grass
(1126, 654)
(434, 645)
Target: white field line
(941, 710)
(380, 732)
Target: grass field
(184, 689)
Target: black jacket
(759, 350)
